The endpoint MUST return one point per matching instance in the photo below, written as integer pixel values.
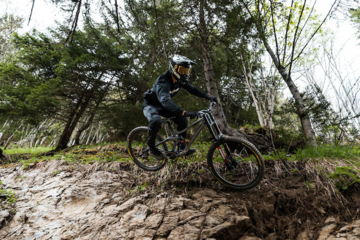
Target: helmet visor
(184, 70)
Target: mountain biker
(158, 101)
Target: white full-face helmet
(180, 68)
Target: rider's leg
(182, 123)
(152, 114)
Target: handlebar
(199, 113)
(202, 112)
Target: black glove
(212, 99)
(191, 115)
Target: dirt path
(117, 201)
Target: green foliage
(121, 119)
(345, 177)
(289, 25)
(329, 152)
(288, 127)
(329, 124)
(67, 81)
(8, 198)
(280, 154)
(37, 151)
(308, 184)
(100, 76)
(8, 25)
(141, 188)
(355, 17)
(30, 162)
(159, 26)
(345, 152)
(104, 152)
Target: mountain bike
(234, 162)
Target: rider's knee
(184, 120)
(156, 122)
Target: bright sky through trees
(45, 14)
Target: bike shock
(225, 158)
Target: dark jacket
(164, 89)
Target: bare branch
(287, 30)
(117, 16)
(32, 8)
(294, 41)
(74, 25)
(273, 23)
(312, 36)
(309, 15)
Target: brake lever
(212, 104)
(200, 113)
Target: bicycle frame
(206, 119)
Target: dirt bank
(56, 200)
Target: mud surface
(118, 201)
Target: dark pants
(153, 113)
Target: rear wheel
(246, 166)
(139, 150)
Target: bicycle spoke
(137, 144)
(238, 167)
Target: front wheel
(139, 150)
(236, 163)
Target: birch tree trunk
(256, 103)
(299, 102)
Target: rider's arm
(163, 94)
(193, 90)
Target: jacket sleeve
(193, 90)
(163, 94)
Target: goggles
(183, 70)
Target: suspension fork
(226, 156)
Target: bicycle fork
(210, 122)
(227, 156)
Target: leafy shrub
(345, 177)
(7, 197)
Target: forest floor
(96, 192)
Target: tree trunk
(299, 102)
(71, 123)
(260, 141)
(83, 128)
(209, 71)
(92, 115)
(256, 103)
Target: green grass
(32, 151)
(344, 176)
(106, 152)
(83, 154)
(334, 152)
(328, 152)
(9, 200)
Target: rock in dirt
(326, 231)
(249, 238)
(232, 229)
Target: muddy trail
(59, 200)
